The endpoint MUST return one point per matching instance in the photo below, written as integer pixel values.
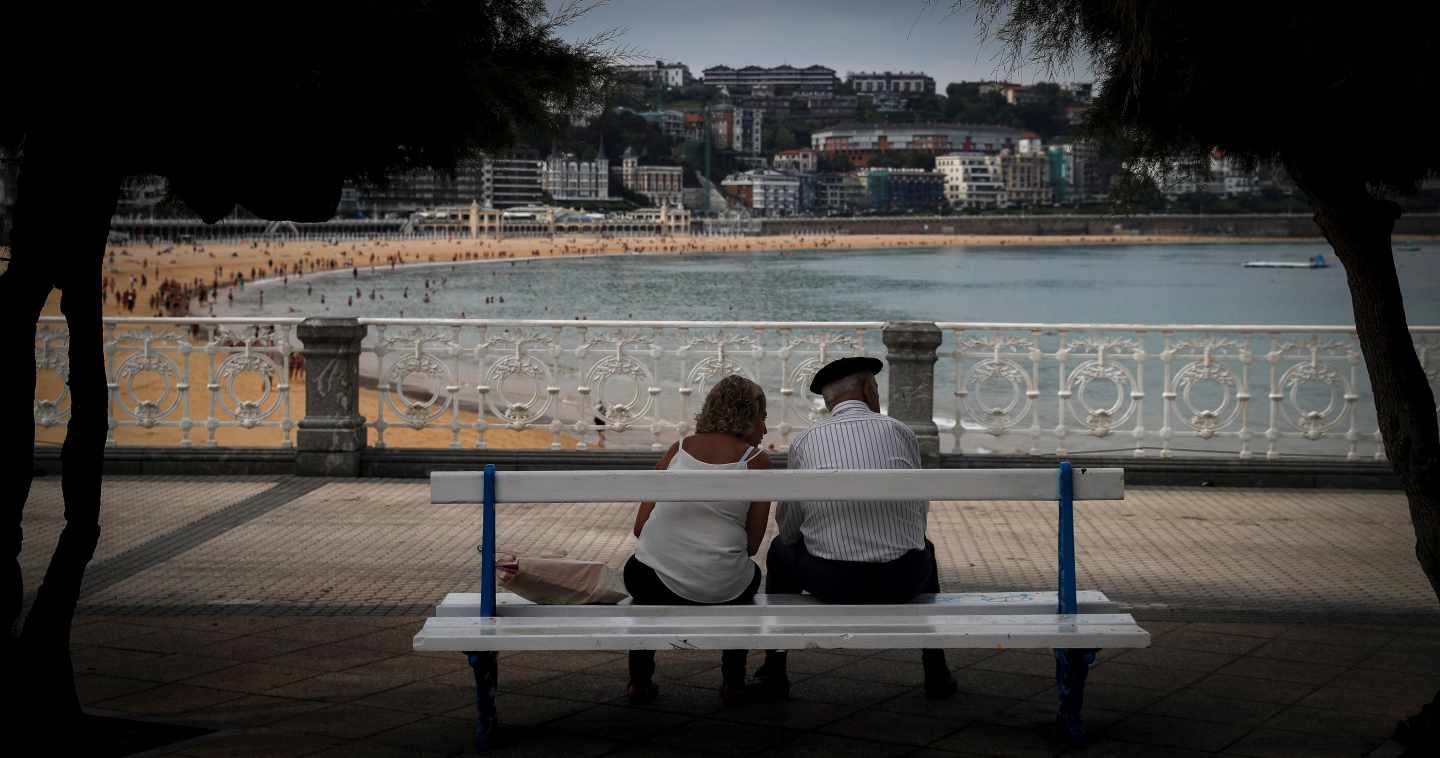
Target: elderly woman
(699, 553)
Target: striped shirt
(872, 531)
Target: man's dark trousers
(790, 569)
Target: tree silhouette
(268, 105)
(1327, 92)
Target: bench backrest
(490, 487)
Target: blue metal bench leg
(486, 669)
(1071, 668)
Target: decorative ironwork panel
(587, 384)
(1168, 391)
(153, 366)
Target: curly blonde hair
(732, 407)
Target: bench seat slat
(484, 634)
(508, 605)
(762, 619)
(885, 484)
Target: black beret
(842, 368)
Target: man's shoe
(940, 687)
(766, 688)
(640, 693)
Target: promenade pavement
(276, 615)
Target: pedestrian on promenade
(852, 553)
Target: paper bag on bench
(559, 581)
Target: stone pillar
(332, 434)
(910, 357)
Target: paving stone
(1165, 731)
(1394, 705)
(1189, 660)
(561, 660)
(255, 648)
(192, 641)
(253, 678)
(1300, 718)
(958, 709)
(1010, 662)
(512, 678)
(1283, 671)
(1207, 706)
(586, 687)
(535, 742)
(434, 735)
(1151, 677)
(1264, 631)
(1039, 716)
(326, 630)
(609, 722)
(249, 712)
(889, 726)
(96, 688)
(328, 658)
(255, 743)
(816, 745)
(830, 689)
(1222, 644)
(678, 698)
(430, 698)
(337, 687)
(1249, 688)
(168, 699)
(1387, 681)
(792, 714)
(1110, 697)
(720, 738)
(996, 740)
(1275, 743)
(1403, 661)
(347, 721)
(108, 633)
(1350, 636)
(166, 668)
(1306, 651)
(981, 682)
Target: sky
(846, 35)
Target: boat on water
(1317, 262)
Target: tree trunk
(64, 202)
(1359, 228)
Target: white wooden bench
(1071, 622)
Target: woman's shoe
(640, 693)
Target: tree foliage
(273, 104)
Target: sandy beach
(142, 268)
(153, 273)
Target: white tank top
(700, 550)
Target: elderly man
(852, 552)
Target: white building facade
(669, 74)
(898, 82)
(663, 185)
(566, 178)
(765, 193)
(972, 179)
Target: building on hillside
(738, 129)
(513, 180)
(671, 123)
(1025, 176)
(765, 193)
(827, 106)
(694, 126)
(1225, 176)
(565, 178)
(1014, 94)
(898, 82)
(902, 189)
(1080, 92)
(972, 179)
(862, 143)
(804, 160)
(742, 80)
(675, 75)
(838, 194)
(663, 185)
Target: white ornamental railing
(1016, 389)
(1271, 391)
(635, 384)
(179, 374)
